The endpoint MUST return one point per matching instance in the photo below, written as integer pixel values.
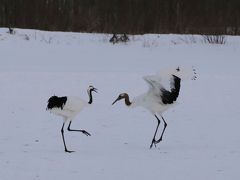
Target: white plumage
(68, 107)
(73, 106)
(152, 99)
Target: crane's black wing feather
(56, 102)
(168, 97)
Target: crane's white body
(150, 102)
(73, 106)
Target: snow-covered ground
(202, 140)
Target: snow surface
(201, 142)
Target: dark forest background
(124, 16)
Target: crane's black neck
(90, 96)
(127, 101)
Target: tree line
(124, 16)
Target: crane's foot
(154, 142)
(82, 131)
(68, 151)
(86, 133)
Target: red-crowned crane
(158, 98)
(68, 107)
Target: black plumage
(168, 97)
(56, 102)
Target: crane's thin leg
(62, 131)
(165, 125)
(153, 140)
(83, 131)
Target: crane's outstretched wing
(155, 84)
(158, 90)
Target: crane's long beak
(116, 101)
(95, 90)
